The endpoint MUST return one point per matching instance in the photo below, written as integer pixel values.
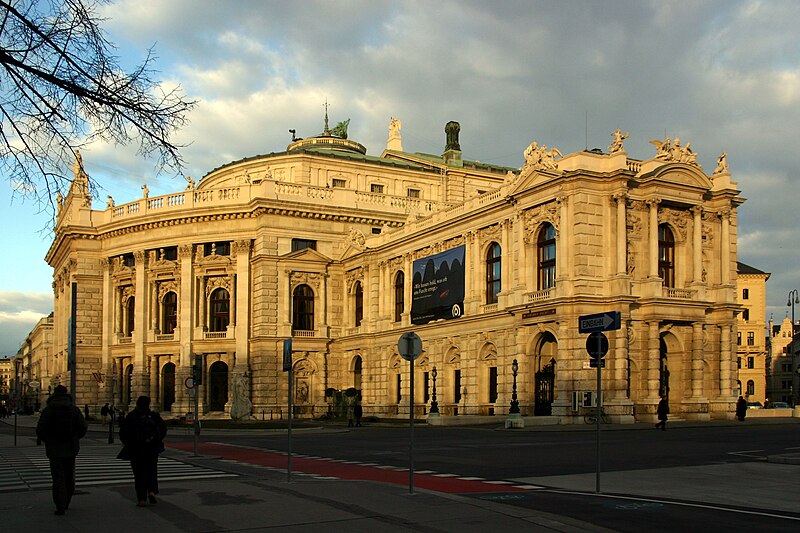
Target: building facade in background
(751, 334)
(783, 376)
(344, 252)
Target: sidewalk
(262, 502)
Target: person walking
(350, 414)
(104, 413)
(61, 426)
(142, 434)
(741, 408)
(662, 411)
(358, 411)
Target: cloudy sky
(723, 75)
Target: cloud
(19, 313)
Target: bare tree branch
(61, 88)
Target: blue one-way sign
(599, 322)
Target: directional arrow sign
(599, 322)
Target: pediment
(350, 251)
(682, 174)
(531, 178)
(307, 254)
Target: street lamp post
(790, 303)
(434, 403)
(514, 402)
(514, 419)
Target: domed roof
(329, 139)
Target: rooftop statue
(190, 183)
(340, 130)
(616, 144)
(669, 150)
(145, 191)
(394, 127)
(722, 163)
(110, 202)
(540, 157)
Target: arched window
(751, 387)
(130, 310)
(169, 313)
(220, 310)
(546, 254)
(666, 255)
(359, 307)
(492, 273)
(399, 296)
(303, 308)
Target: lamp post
(514, 403)
(514, 419)
(434, 403)
(790, 303)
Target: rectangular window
(751, 338)
(169, 253)
(492, 384)
(414, 193)
(376, 231)
(339, 183)
(128, 260)
(302, 244)
(745, 294)
(376, 188)
(457, 385)
(746, 314)
(738, 362)
(738, 338)
(751, 362)
(217, 248)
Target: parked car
(777, 405)
(754, 405)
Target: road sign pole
(289, 432)
(598, 414)
(411, 424)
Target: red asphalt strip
(341, 470)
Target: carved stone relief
(313, 280)
(677, 219)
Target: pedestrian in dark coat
(61, 426)
(662, 411)
(358, 411)
(741, 408)
(142, 434)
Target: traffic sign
(409, 346)
(599, 322)
(593, 363)
(597, 345)
(189, 383)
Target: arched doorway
(217, 386)
(167, 386)
(545, 376)
(357, 362)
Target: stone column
(505, 264)
(697, 244)
(408, 288)
(622, 233)
(108, 333)
(242, 304)
(563, 251)
(725, 248)
(697, 360)
(654, 361)
(725, 389)
(184, 329)
(201, 296)
(523, 264)
(140, 371)
(653, 238)
(155, 397)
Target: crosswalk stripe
(29, 468)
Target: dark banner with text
(438, 287)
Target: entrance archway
(545, 376)
(663, 370)
(217, 386)
(167, 386)
(127, 395)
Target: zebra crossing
(27, 468)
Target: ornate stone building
(326, 244)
